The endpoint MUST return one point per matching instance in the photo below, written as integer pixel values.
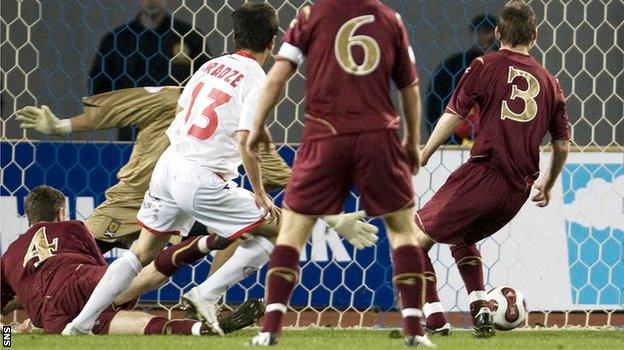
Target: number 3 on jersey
(528, 96)
(218, 98)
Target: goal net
(567, 259)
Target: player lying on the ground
(349, 139)
(52, 268)
(520, 101)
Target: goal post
(567, 259)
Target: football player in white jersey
(192, 179)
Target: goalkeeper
(113, 223)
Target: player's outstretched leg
(470, 266)
(141, 323)
(433, 310)
(408, 267)
(283, 274)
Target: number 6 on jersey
(346, 39)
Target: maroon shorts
(62, 307)
(476, 201)
(327, 168)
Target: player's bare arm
(276, 80)
(560, 150)
(410, 100)
(443, 130)
(252, 169)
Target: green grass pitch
(332, 339)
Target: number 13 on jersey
(204, 130)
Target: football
(508, 308)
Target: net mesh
(567, 259)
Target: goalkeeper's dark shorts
(326, 169)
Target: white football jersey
(219, 100)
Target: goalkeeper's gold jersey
(152, 110)
(149, 109)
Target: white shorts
(180, 192)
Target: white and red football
(508, 308)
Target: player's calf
(168, 261)
(281, 278)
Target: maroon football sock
(408, 280)
(168, 260)
(160, 325)
(435, 319)
(470, 266)
(280, 281)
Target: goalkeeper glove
(43, 120)
(359, 233)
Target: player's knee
(423, 241)
(145, 256)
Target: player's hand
(350, 226)
(542, 197)
(42, 119)
(273, 212)
(413, 153)
(255, 138)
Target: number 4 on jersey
(218, 98)
(39, 248)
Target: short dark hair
(255, 26)
(484, 20)
(517, 24)
(43, 204)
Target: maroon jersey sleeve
(559, 127)
(467, 92)
(404, 71)
(6, 293)
(296, 38)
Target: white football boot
(206, 310)
(417, 340)
(263, 339)
(73, 330)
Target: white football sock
(117, 278)
(432, 308)
(253, 253)
(477, 295)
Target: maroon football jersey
(519, 102)
(352, 49)
(35, 266)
